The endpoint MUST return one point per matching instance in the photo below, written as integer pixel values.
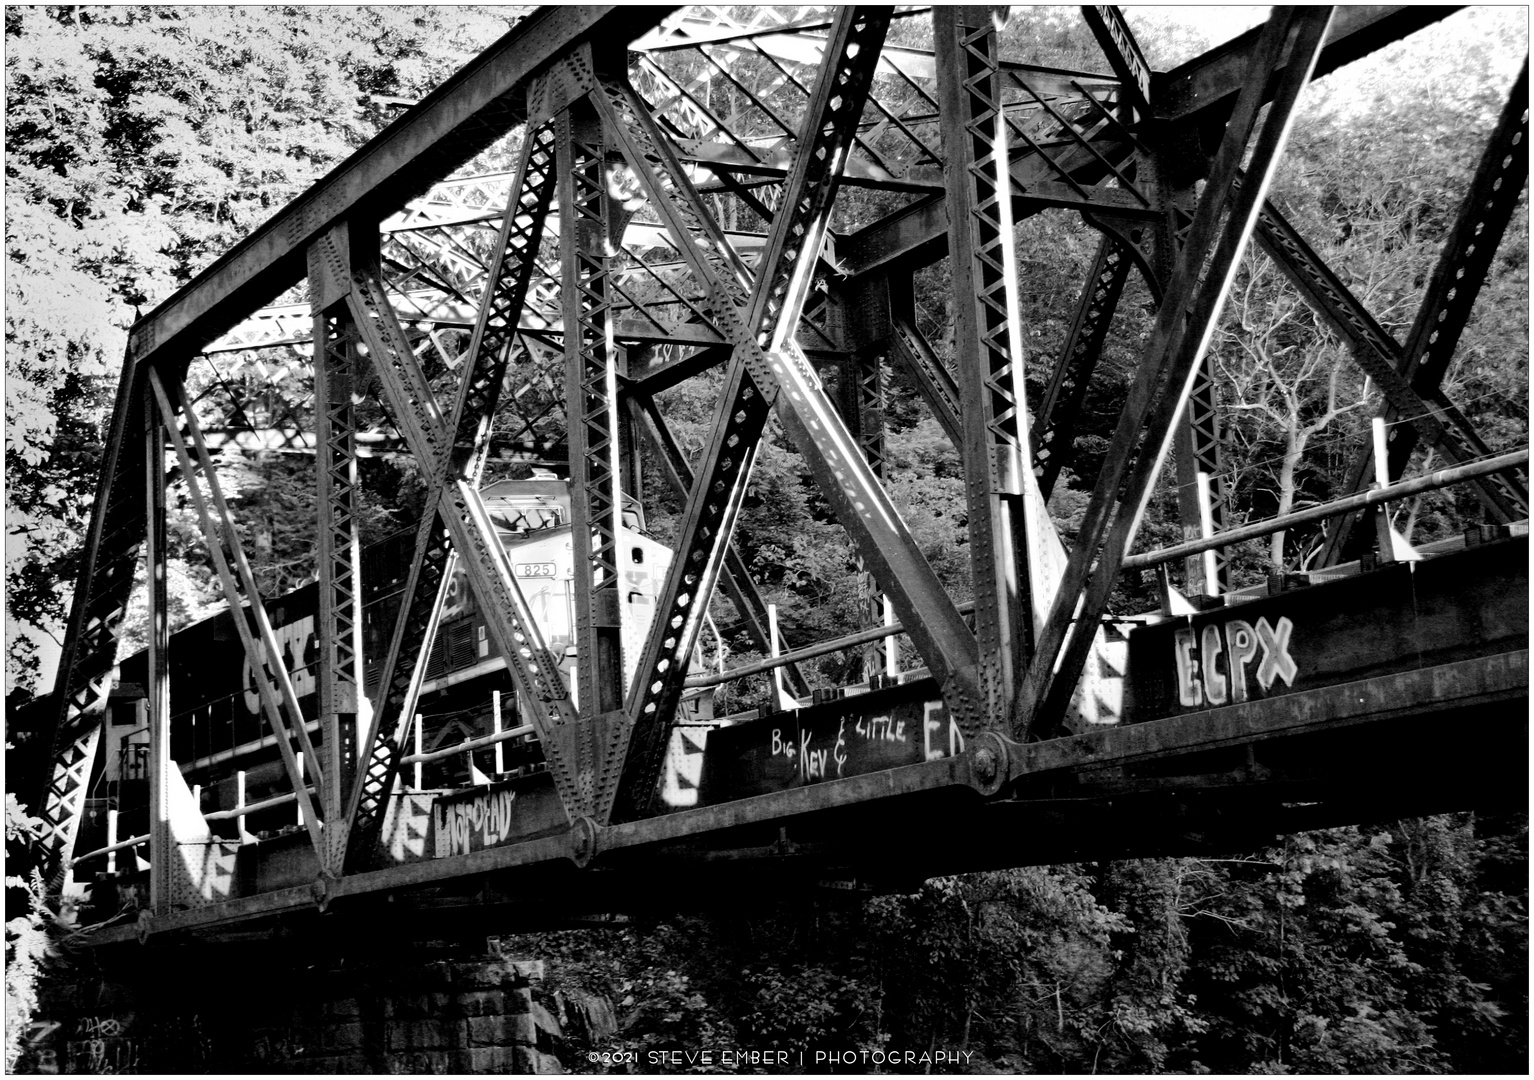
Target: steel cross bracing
(279, 701)
(766, 363)
(865, 321)
(511, 622)
(489, 356)
(675, 210)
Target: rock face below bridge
(279, 1015)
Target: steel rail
(808, 652)
(251, 808)
(132, 841)
(1375, 497)
(468, 745)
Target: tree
(1283, 381)
(143, 143)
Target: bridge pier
(439, 1014)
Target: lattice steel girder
(1054, 426)
(737, 582)
(489, 354)
(463, 201)
(1452, 291)
(1200, 464)
(239, 583)
(1177, 344)
(591, 411)
(1123, 52)
(1202, 91)
(1381, 358)
(338, 627)
(988, 358)
(509, 619)
(468, 112)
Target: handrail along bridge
(747, 198)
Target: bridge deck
(1446, 728)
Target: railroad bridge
(748, 198)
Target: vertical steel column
(158, 688)
(591, 396)
(988, 357)
(1201, 482)
(339, 627)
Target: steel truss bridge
(746, 198)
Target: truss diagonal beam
(736, 581)
(510, 620)
(1452, 291)
(276, 694)
(1217, 236)
(1123, 52)
(714, 502)
(914, 352)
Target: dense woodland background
(143, 142)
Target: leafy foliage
(26, 940)
(1383, 950)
